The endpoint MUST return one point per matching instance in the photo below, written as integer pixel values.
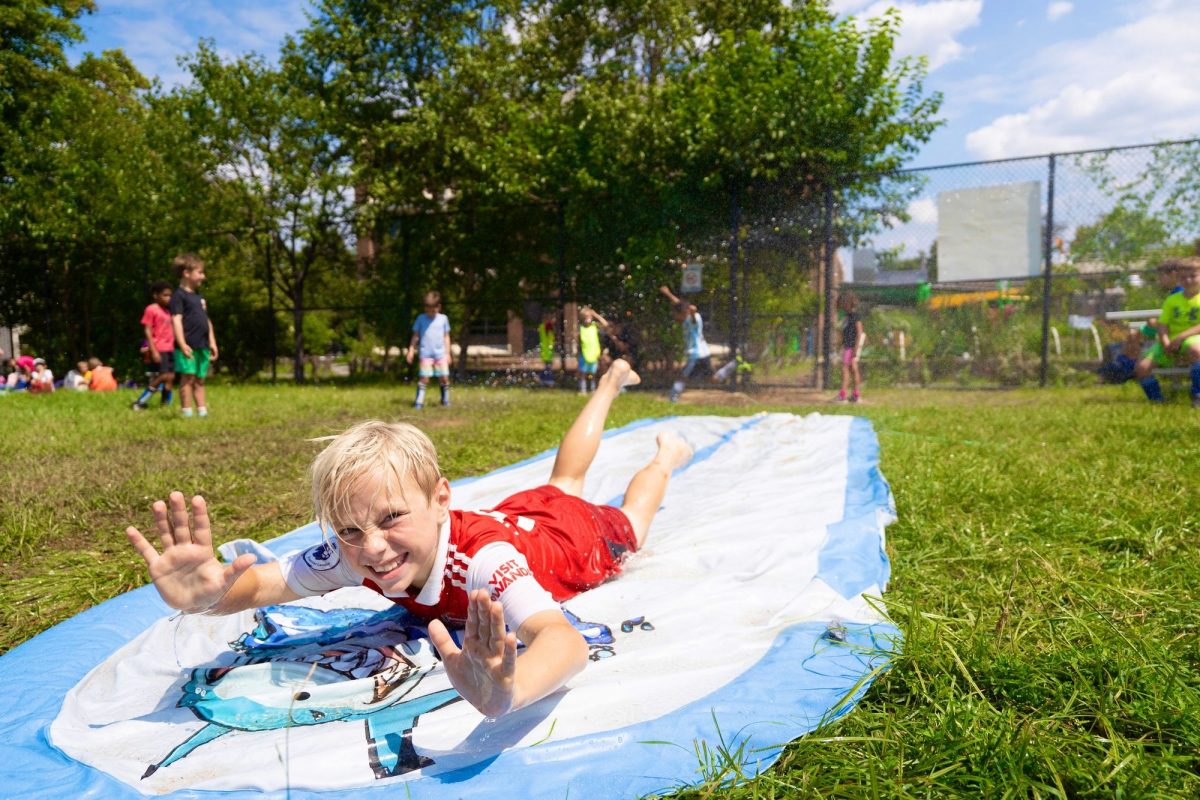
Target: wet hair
(1187, 264)
(160, 286)
(371, 448)
(186, 262)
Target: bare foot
(673, 450)
(623, 374)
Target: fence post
(735, 224)
(1048, 256)
(562, 285)
(827, 327)
(271, 309)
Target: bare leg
(646, 490)
(186, 398)
(582, 439)
(199, 389)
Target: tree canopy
(502, 152)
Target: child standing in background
(546, 342)
(195, 342)
(589, 348)
(160, 338)
(853, 339)
(431, 332)
(699, 357)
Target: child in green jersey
(589, 347)
(1178, 339)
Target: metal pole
(735, 223)
(406, 288)
(1048, 256)
(744, 318)
(827, 327)
(271, 309)
(562, 285)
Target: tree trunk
(298, 334)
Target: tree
(1158, 208)
(277, 168)
(1124, 237)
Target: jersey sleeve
(317, 570)
(504, 573)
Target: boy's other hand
(213, 353)
(186, 573)
(484, 670)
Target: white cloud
(1129, 85)
(155, 34)
(930, 29)
(923, 210)
(1058, 9)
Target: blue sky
(1020, 77)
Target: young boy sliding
(377, 487)
(160, 337)
(431, 332)
(1178, 338)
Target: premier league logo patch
(324, 556)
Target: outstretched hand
(187, 573)
(484, 670)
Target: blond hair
(375, 448)
(186, 262)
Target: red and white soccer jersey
(535, 549)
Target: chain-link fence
(948, 265)
(1003, 272)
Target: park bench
(1135, 318)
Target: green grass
(1044, 566)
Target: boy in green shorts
(1178, 333)
(195, 342)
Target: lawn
(1044, 566)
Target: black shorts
(167, 363)
(698, 368)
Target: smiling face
(192, 278)
(391, 537)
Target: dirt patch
(766, 396)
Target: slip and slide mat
(751, 617)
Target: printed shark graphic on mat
(302, 666)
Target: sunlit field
(1045, 563)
